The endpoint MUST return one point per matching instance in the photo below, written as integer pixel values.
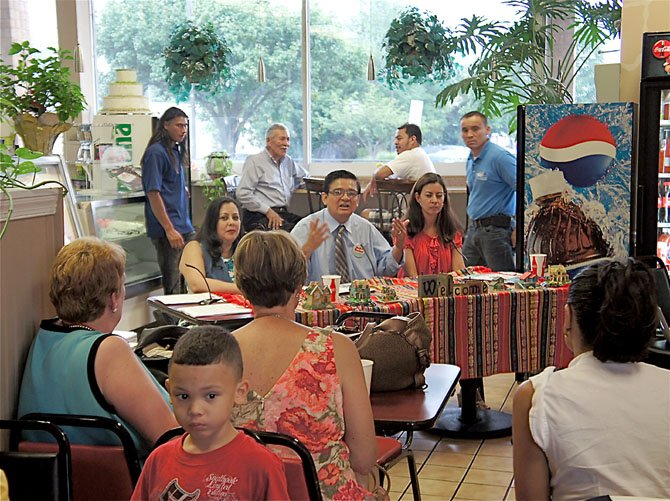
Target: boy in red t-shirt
(212, 460)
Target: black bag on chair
(164, 336)
(400, 350)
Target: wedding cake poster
(577, 179)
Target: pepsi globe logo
(580, 146)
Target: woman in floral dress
(303, 381)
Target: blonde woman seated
(601, 426)
(305, 382)
(211, 252)
(76, 366)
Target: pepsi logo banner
(577, 173)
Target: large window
(132, 34)
(352, 119)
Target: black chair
(169, 435)
(301, 476)
(98, 471)
(37, 475)
(660, 273)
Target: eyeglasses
(339, 192)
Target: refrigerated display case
(653, 236)
(53, 168)
(120, 219)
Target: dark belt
(280, 208)
(498, 220)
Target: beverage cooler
(654, 154)
(576, 172)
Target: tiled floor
(462, 469)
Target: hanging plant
(196, 57)
(414, 49)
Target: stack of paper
(213, 310)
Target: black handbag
(165, 337)
(400, 350)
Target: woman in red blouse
(434, 232)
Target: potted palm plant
(520, 63)
(38, 95)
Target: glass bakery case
(119, 218)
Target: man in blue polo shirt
(491, 179)
(166, 211)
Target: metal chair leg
(413, 478)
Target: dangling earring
(114, 310)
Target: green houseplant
(196, 57)
(218, 166)
(413, 47)
(519, 63)
(13, 171)
(38, 95)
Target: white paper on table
(508, 276)
(344, 288)
(184, 298)
(212, 310)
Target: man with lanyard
(337, 241)
(166, 211)
(491, 179)
(267, 183)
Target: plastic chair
(98, 471)
(37, 475)
(301, 477)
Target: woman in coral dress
(434, 233)
(303, 381)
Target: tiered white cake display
(126, 95)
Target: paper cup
(367, 371)
(333, 283)
(538, 264)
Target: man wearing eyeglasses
(267, 183)
(337, 241)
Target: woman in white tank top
(602, 425)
